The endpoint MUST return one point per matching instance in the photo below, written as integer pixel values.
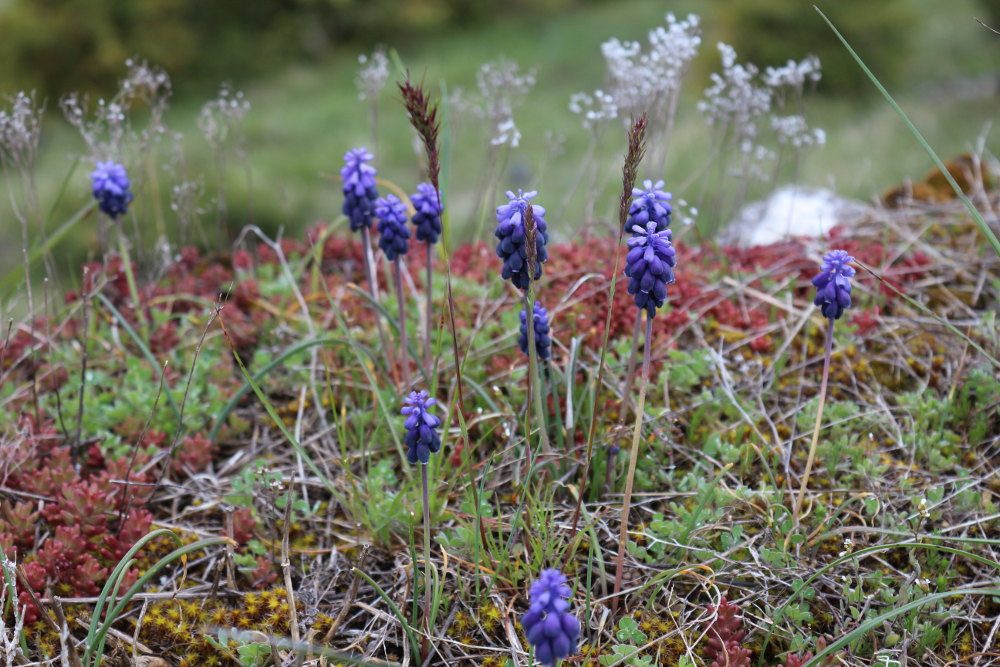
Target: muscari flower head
(427, 219)
(549, 625)
(543, 344)
(422, 438)
(651, 204)
(393, 234)
(111, 188)
(360, 192)
(649, 266)
(833, 284)
(511, 235)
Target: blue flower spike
(550, 627)
(649, 266)
(427, 218)
(393, 234)
(422, 438)
(111, 188)
(512, 238)
(360, 190)
(650, 204)
(833, 284)
(543, 343)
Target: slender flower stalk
(649, 267)
(394, 242)
(112, 190)
(833, 296)
(535, 384)
(360, 193)
(422, 440)
(630, 170)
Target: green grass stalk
(633, 458)
(398, 277)
(427, 549)
(819, 419)
(973, 211)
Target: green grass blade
(146, 352)
(877, 621)
(289, 352)
(414, 644)
(14, 277)
(973, 211)
(111, 584)
(281, 426)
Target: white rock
(789, 212)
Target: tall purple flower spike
(649, 266)
(111, 188)
(511, 243)
(548, 624)
(422, 438)
(359, 189)
(833, 284)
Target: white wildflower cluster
(502, 89)
(20, 128)
(648, 81)
(373, 74)
(684, 212)
(734, 100)
(147, 83)
(594, 109)
(794, 74)
(795, 132)
(109, 127)
(223, 117)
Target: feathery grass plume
(833, 296)
(543, 343)
(424, 119)
(111, 188)
(422, 440)
(630, 170)
(548, 624)
(394, 241)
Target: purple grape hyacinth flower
(651, 204)
(393, 234)
(422, 438)
(359, 190)
(427, 219)
(548, 624)
(543, 343)
(833, 284)
(111, 188)
(511, 235)
(649, 266)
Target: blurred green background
(296, 61)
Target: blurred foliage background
(296, 61)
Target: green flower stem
(819, 418)
(372, 277)
(429, 287)
(534, 382)
(397, 275)
(130, 278)
(427, 550)
(633, 457)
